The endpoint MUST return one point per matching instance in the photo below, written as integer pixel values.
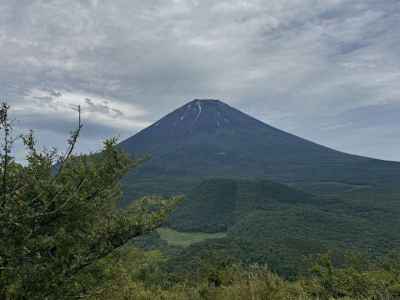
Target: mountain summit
(207, 115)
(198, 116)
(208, 138)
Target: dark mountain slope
(208, 138)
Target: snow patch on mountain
(199, 110)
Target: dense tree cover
(134, 274)
(59, 215)
(266, 222)
(269, 223)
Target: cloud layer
(327, 70)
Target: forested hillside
(269, 223)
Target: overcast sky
(327, 70)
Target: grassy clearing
(185, 239)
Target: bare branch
(5, 126)
(72, 141)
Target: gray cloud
(103, 108)
(54, 93)
(321, 69)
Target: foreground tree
(59, 215)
